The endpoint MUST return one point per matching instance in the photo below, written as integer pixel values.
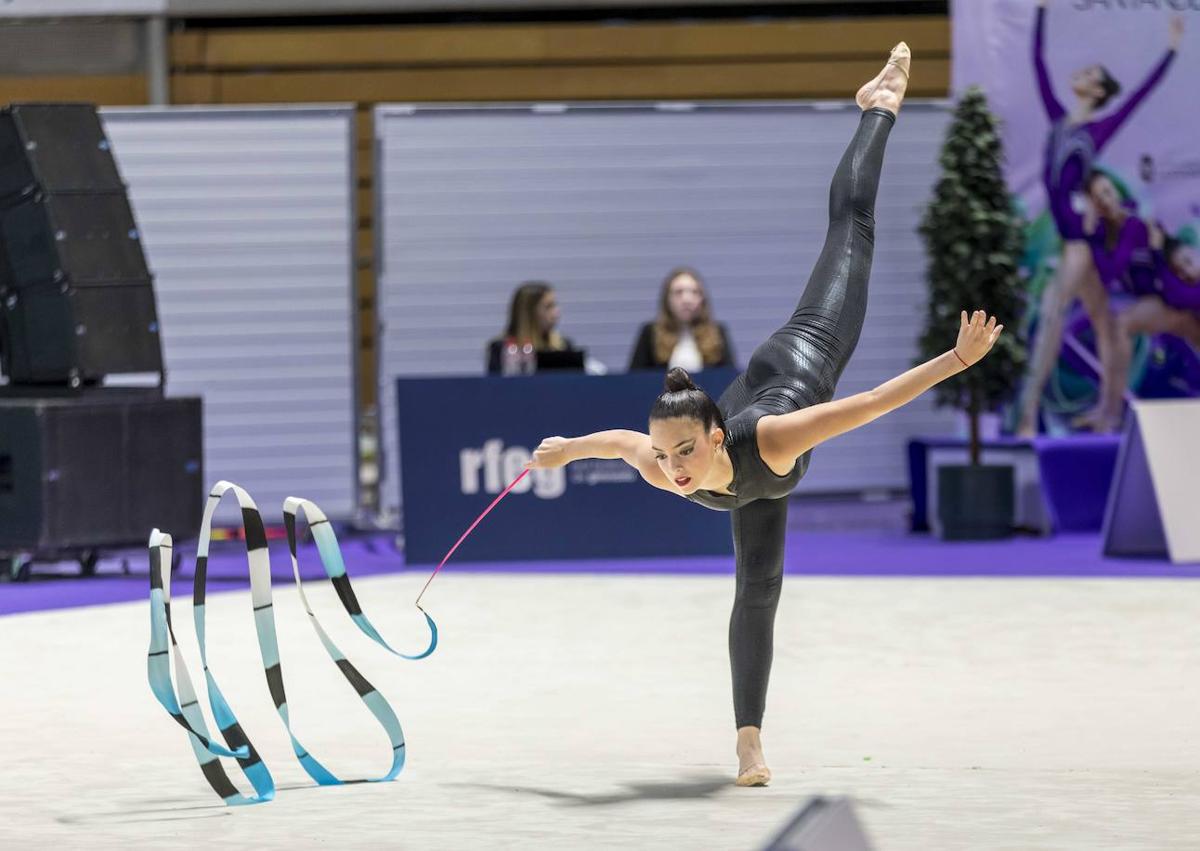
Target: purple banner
(1100, 121)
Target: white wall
(247, 218)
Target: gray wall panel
(603, 200)
(247, 217)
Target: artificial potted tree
(973, 238)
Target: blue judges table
(463, 439)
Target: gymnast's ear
(716, 436)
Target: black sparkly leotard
(798, 366)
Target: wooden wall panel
(194, 88)
(802, 79)
(105, 90)
(357, 47)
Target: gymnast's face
(685, 451)
(1088, 83)
(1186, 263)
(1105, 197)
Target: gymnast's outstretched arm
(632, 447)
(784, 438)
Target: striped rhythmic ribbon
(185, 709)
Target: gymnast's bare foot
(752, 766)
(888, 88)
(1098, 420)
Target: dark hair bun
(677, 380)
(683, 399)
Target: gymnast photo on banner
(1152, 281)
(1092, 252)
(1108, 183)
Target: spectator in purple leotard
(1075, 139)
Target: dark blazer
(496, 347)
(643, 349)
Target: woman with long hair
(745, 453)
(533, 315)
(684, 333)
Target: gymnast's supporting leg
(758, 536)
(1060, 292)
(1106, 416)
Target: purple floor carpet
(842, 553)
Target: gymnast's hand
(1176, 37)
(976, 336)
(1157, 238)
(551, 452)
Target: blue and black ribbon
(185, 709)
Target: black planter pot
(976, 502)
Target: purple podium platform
(1074, 475)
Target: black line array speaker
(58, 147)
(98, 470)
(76, 296)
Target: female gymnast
(1118, 239)
(1172, 308)
(1119, 242)
(1076, 139)
(1137, 263)
(746, 453)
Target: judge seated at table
(531, 341)
(684, 334)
